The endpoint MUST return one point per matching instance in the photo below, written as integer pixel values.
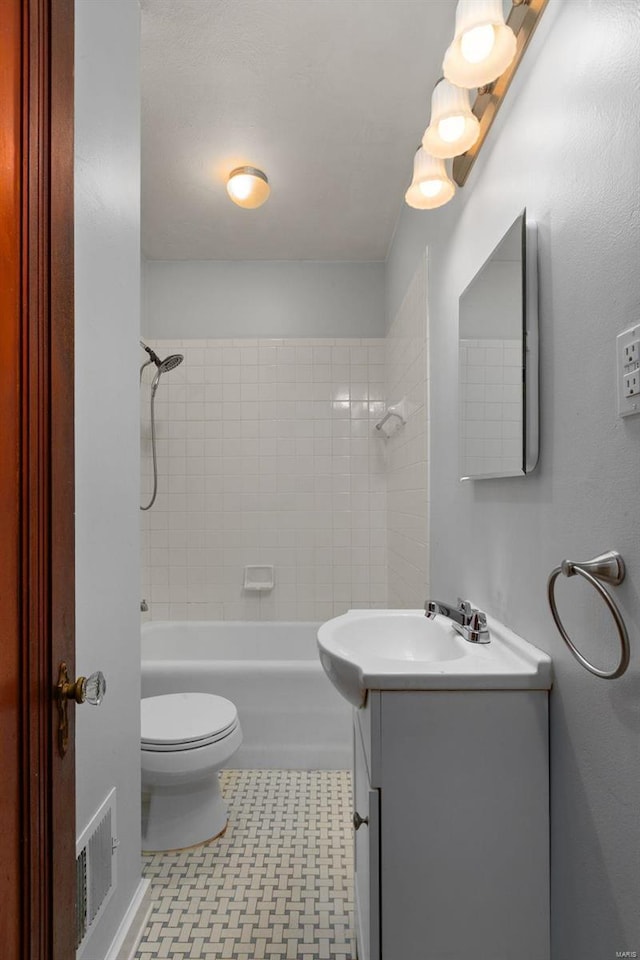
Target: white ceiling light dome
(431, 186)
(248, 187)
(453, 128)
(483, 46)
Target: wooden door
(37, 789)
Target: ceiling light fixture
(483, 45)
(248, 187)
(431, 186)
(453, 127)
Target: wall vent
(95, 868)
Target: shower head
(170, 363)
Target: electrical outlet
(632, 384)
(632, 353)
(628, 371)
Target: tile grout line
(276, 886)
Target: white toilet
(186, 738)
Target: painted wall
(107, 455)
(257, 298)
(267, 454)
(406, 449)
(566, 145)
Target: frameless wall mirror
(498, 361)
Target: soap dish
(258, 577)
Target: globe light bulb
(476, 44)
(431, 185)
(451, 129)
(483, 45)
(431, 188)
(241, 186)
(248, 187)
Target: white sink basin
(393, 635)
(404, 650)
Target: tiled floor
(276, 886)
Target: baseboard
(127, 939)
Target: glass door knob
(83, 690)
(93, 688)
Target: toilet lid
(185, 719)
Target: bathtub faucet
(466, 620)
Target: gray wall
(262, 298)
(107, 268)
(566, 146)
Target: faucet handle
(465, 609)
(477, 630)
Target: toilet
(186, 738)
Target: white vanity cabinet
(453, 863)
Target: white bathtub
(291, 716)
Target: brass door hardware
(83, 690)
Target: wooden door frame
(37, 880)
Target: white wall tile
(270, 457)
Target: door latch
(83, 690)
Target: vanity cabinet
(453, 862)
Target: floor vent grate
(95, 868)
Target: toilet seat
(185, 721)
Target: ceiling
(329, 97)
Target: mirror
(498, 361)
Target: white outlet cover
(632, 384)
(626, 349)
(632, 352)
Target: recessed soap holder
(259, 577)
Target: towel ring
(609, 567)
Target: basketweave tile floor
(276, 886)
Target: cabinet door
(367, 857)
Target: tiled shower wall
(407, 448)
(267, 454)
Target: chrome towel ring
(607, 568)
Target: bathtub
(291, 716)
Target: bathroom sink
(396, 636)
(404, 650)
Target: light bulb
(430, 188)
(241, 186)
(476, 44)
(451, 129)
(248, 187)
(483, 45)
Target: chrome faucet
(465, 619)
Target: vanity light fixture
(484, 55)
(453, 127)
(431, 185)
(483, 45)
(523, 19)
(248, 187)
